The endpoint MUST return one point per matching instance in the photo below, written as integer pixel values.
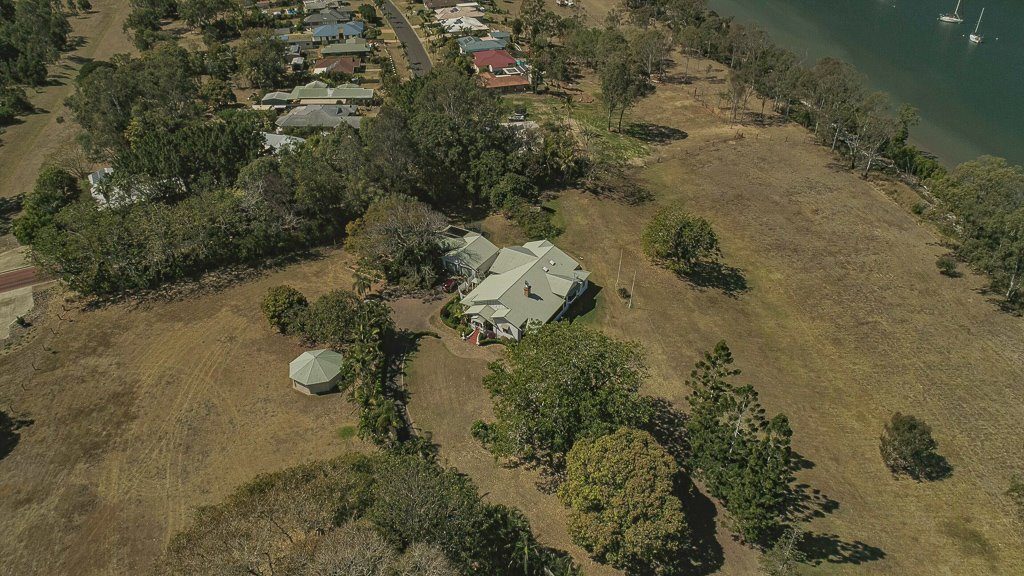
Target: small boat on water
(953, 18)
(975, 37)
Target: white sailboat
(975, 37)
(954, 17)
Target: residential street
(414, 50)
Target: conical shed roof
(315, 367)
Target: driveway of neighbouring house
(414, 50)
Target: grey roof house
(318, 92)
(328, 16)
(347, 47)
(316, 371)
(319, 116)
(532, 283)
(470, 45)
(467, 253)
(277, 142)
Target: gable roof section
(549, 272)
(349, 46)
(353, 28)
(493, 58)
(471, 250)
(470, 45)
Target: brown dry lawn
(25, 147)
(142, 413)
(845, 320)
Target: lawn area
(141, 413)
(834, 311)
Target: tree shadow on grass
(654, 133)
(9, 435)
(821, 548)
(717, 275)
(705, 555)
(804, 502)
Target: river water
(970, 97)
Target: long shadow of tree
(654, 133)
(9, 208)
(803, 503)
(718, 276)
(9, 435)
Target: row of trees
(387, 514)
(190, 192)
(567, 399)
(830, 97)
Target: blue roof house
(353, 29)
(327, 34)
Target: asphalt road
(414, 50)
(18, 279)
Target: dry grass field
(142, 413)
(39, 137)
(843, 320)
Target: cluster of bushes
(361, 514)
(567, 399)
(362, 331)
(678, 240)
(32, 35)
(985, 197)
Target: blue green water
(971, 98)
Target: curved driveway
(414, 51)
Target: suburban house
(276, 142)
(337, 65)
(506, 81)
(327, 34)
(278, 100)
(492, 60)
(461, 11)
(462, 24)
(319, 116)
(311, 6)
(529, 284)
(435, 4)
(318, 92)
(471, 45)
(353, 29)
(467, 253)
(326, 17)
(316, 371)
(351, 46)
(300, 41)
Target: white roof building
(532, 283)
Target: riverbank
(967, 98)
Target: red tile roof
(493, 59)
(504, 81)
(343, 64)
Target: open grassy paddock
(835, 312)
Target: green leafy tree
(54, 189)
(563, 383)
(619, 489)
(401, 238)
(741, 455)
(678, 239)
(784, 556)
(283, 306)
(908, 448)
(259, 58)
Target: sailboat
(975, 37)
(954, 17)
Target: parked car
(450, 285)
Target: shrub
(908, 448)
(55, 188)
(1016, 495)
(283, 306)
(619, 489)
(677, 239)
(623, 293)
(947, 265)
(919, 208)
(535, 221)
